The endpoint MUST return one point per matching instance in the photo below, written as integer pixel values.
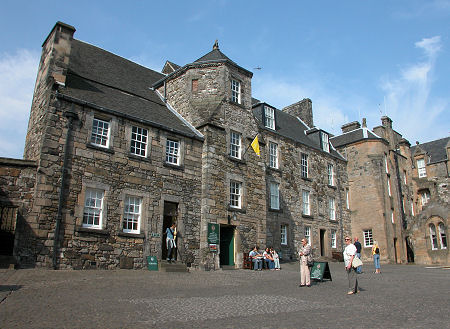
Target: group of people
(270, 258)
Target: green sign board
(213, 233)
(152, 263)
(320, 271)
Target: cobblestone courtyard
(407, 296)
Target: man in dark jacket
(358, 254)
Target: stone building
(428, 231)
(116, 152)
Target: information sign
(320, 271)
(213, 233)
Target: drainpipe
(71, 115)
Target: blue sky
(353, 59)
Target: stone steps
(165, 266)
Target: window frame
(442, 235)
(330, 172)
(98, 132)
(235, 198)
(332, 208)
(273, 155)
(269, 117)
(307, 230)
(173, 155)
(368, 238)
(93, 210)
(333, 239)
(425, 197)
(389, 185)
(236, 91)
(306, 204)
(325, 142)
(138, 143)
(126, 220)
(283, 234)
(274, 188)
(304, 165)
(235, 149)
(433, 236)
(421, 168)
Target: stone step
(173, 266)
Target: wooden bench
(247, 263)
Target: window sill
(173, 166)
(139, 158)
(278, 170)
(91, 230)
(241, 210)
(332, 186)
(276, 210)
(307, 179)
(131, 235)
(236, 160)
(241, 104)
(99, 148)
(307, 216)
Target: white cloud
(416, 115)
(17, 77)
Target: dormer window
(421, 170)
(324, 142)
(236, 91)
(269, 117)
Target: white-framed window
(332, 208)
(274, 196)
(433, 237)
(283, 234)
(139, 141)
(325, 142)
(235, 145)
(368, 238)
(333, 239)
(100, 133)
(389, 186)
(235, 194)
(392, 216)
(412, 208)
(305, 202)
(347, 199)
(442, 236)
(236, 91)
(425, 197)
(330, 170)
(421, 170)
(304, 165)
(132, 215)
(308, 234)
(269, 117)
(93, 208)
(405, 179)
(386, 164)
(173, 152)
(273, 155)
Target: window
(139, 141)
(275, 196)
(433, 238)
(421, 170)
(330, 174)
(368, 239)
(442, 236)
(392, 216)
(235, 145)
(386, 164)
(304, 164)
(412, 208)
(100, 133)
(236, 91)
(273, 155)
(333, 239)
(332, 209)
(93, 208)
(132, 215)
(172, 152)
(389, 186)
(404, 177)
(308, 234)
(283, 233)
(305, 200)
(269, 117)
(324, 142)
(425, 197)
(194, 86)
(235, 194)
(347, 200)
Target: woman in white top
(349, 254)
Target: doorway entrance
(322, 243)
(395, 250)
(169, 217)
(8, 220)
(409, 251)
(226, 245)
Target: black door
(322, 243)
(226, 245)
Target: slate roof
(353, 136)
(214, 55)
(290, 127)
(436, 150)
(117, 85)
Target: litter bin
(152, 263)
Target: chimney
(350, 126)
(386, 122)
(364, 123)
(302, 110)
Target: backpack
(377, 250)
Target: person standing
(349, 254)
(358, 254)
(170, 241)
(305, 253)
(376, 257)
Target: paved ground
(407, 296)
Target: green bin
(152, 263)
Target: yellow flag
(255, 145)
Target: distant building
(116, 152)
